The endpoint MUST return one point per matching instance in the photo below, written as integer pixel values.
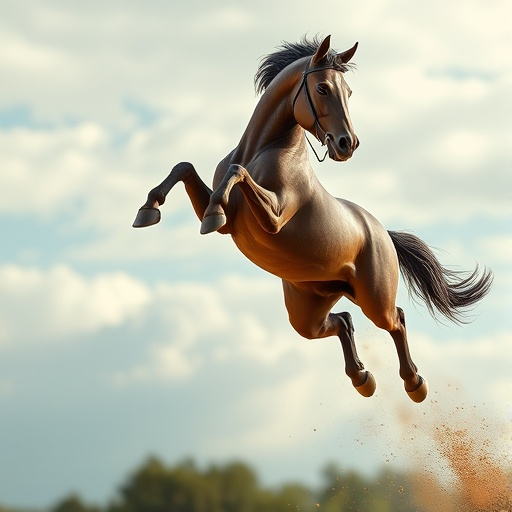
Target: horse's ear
(321, 52)
(345, 57)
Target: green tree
(238, 488)
(350, 491)
(73, 503)
(290, 497)
(155, 488)
(343, 491)
(393, 491)
(233, 487)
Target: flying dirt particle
(456, 453)
(469, 449)
(483, 483)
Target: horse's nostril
(344, 144)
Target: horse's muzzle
(342, 149)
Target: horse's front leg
(262, 202)
(198, 192)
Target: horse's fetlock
(214, 209)
(357, 374)
(157, 197)
(409, 375)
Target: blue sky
(116, 343)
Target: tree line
(234, 487)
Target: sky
(118, 343)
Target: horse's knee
(179, 172)
(183, 167)
(182, 172)
(237, 170)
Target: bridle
(304, 84)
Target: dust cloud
(457, 456)
(477, 478)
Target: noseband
(304, 84)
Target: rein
(304, 84)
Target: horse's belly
(300, 257)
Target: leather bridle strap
(304, 84)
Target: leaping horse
(267, 197)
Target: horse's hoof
(146, 217)
(420, 393)
(212, 223)
(368, 387)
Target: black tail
(448, 292)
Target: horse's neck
(272, 123)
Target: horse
(267, 197)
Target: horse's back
(373, 231)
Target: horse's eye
(322, 89)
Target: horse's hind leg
(361, 379)
(392, 319)
(415, 385)
(197, 190)
(309, 314)
(375, 292)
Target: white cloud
(168, 363)
(479, 367)
(231, 320)
(45, 171)
(234, 19)
(498, 247)
(20, 52)
(272, 413)
(59, 304)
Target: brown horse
(267, 197)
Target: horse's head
(320, 103)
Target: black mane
(272, 64)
